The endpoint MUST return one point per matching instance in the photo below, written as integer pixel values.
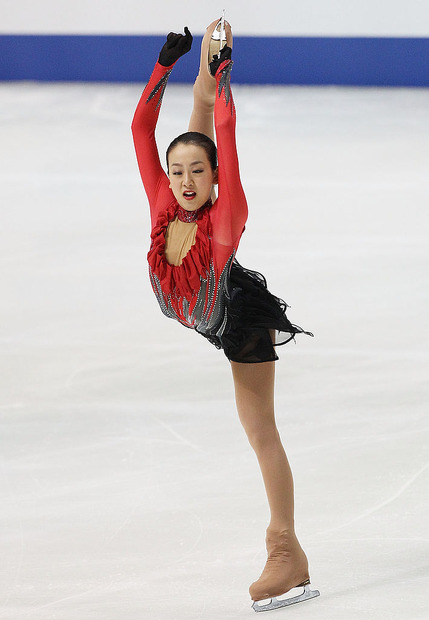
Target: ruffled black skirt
(256, 320)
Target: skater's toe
(258, 592)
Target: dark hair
(197, 139)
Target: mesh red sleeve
(154, 179)
(229, 213)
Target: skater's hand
(176, 46)
(225, 54)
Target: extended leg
(205, 87)
(287, 564)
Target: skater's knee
(263, 437)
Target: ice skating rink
(128, 489)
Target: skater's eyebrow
(193, 163)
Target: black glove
(175, 46)
(225, 54)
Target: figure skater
(198, 282)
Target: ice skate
(286, 569)
(217, 35)
(217, 39)
(205, 84)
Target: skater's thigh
(254, 393)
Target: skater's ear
(216, 176)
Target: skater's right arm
(154, 179)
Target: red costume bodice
(194, 291)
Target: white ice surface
(128, 489)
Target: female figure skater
(198, 282)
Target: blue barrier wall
(360, 61)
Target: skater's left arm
(230, 211)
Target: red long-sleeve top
(194, 291)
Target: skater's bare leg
(287, 564)
(205, 86)
(254, 395)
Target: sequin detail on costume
(161, 86)
(224, 82)
(206, 313)
(191, 216)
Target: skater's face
(191, 175)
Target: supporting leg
(287, 564)
(254, 395)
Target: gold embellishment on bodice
(179, 239)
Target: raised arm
(154, 179)
(230, 211)
(143, 128)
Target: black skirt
(256, 319)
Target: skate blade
(218, 38)
(277, 603)
(219, 33)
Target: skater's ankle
(204, 91)
(281, 529)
